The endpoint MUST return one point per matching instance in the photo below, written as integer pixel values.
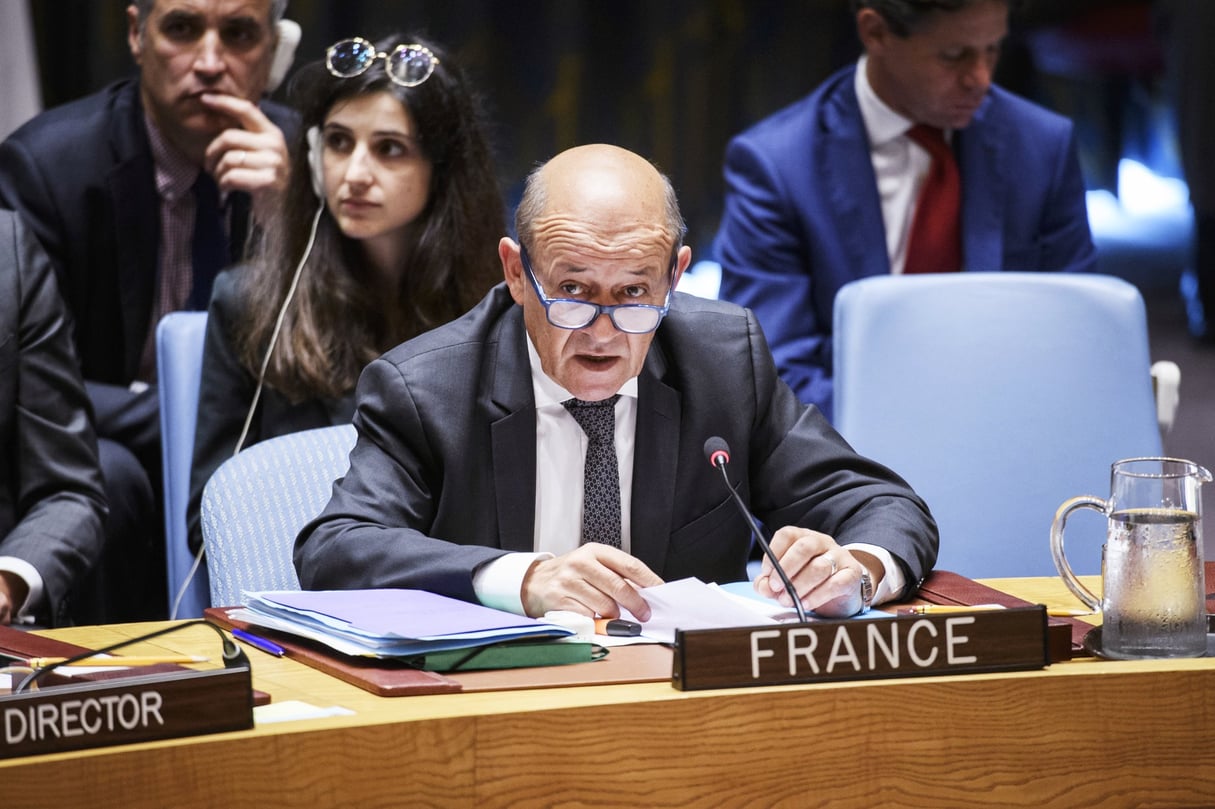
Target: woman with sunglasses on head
(404, 239)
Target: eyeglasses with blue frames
(570, 313)
(406, 65)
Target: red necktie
(935, 243)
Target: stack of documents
(388, 623)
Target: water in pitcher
(1155, 601)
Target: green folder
(510, 655)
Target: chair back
(179, 350)
(256, 503)
(997, 396)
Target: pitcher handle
(1056, 547)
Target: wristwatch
(866, 591)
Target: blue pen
(267, 646)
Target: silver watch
(866, 591)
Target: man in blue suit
(825, 191)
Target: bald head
(603, 186)
(601, 226)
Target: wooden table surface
(1082, 733)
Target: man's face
(593, 362)
(191, 47)
(940, 74)
(601, 238)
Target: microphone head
(717, 451)
(234, 656)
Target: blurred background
(674, 79)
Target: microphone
(232, 655)
(717, 452)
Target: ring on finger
(834, 565)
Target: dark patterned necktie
(935, 243)
(209, 247)
(601, 474)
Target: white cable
(261, 378)
(278, 326)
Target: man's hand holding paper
(594, 579)
(824, 573)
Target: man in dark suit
(51, 500)
(117, 186)
(473, 476)
(826, 190)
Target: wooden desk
(1083, 733)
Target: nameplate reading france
(904, 646)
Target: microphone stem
(231, 652)
(758, 531)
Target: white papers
(692, 604)
(291, 710)
(388, 623)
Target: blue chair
(179, 349)
(997, 396)
(256, 503)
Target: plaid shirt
(175, 176)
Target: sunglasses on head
(406, 65)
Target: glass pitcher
(1153, 595)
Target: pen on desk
(617, 627)
(267, 646)
(42, 662)
(937, 609)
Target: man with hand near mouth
(909, 161)
(546, 450)
(140, 193)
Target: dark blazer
(442, 477)
(83, 177)
(803, 217)
(51, 501)
(225, 393)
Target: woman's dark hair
(337, 321)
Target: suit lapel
(513, 432)
(136, 206)
(655, 461)
(983, 194)
(842, 154)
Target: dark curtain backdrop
(670, 79)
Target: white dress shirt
(560, 453)
(23, 613)
(899, 164)
(560, 457)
